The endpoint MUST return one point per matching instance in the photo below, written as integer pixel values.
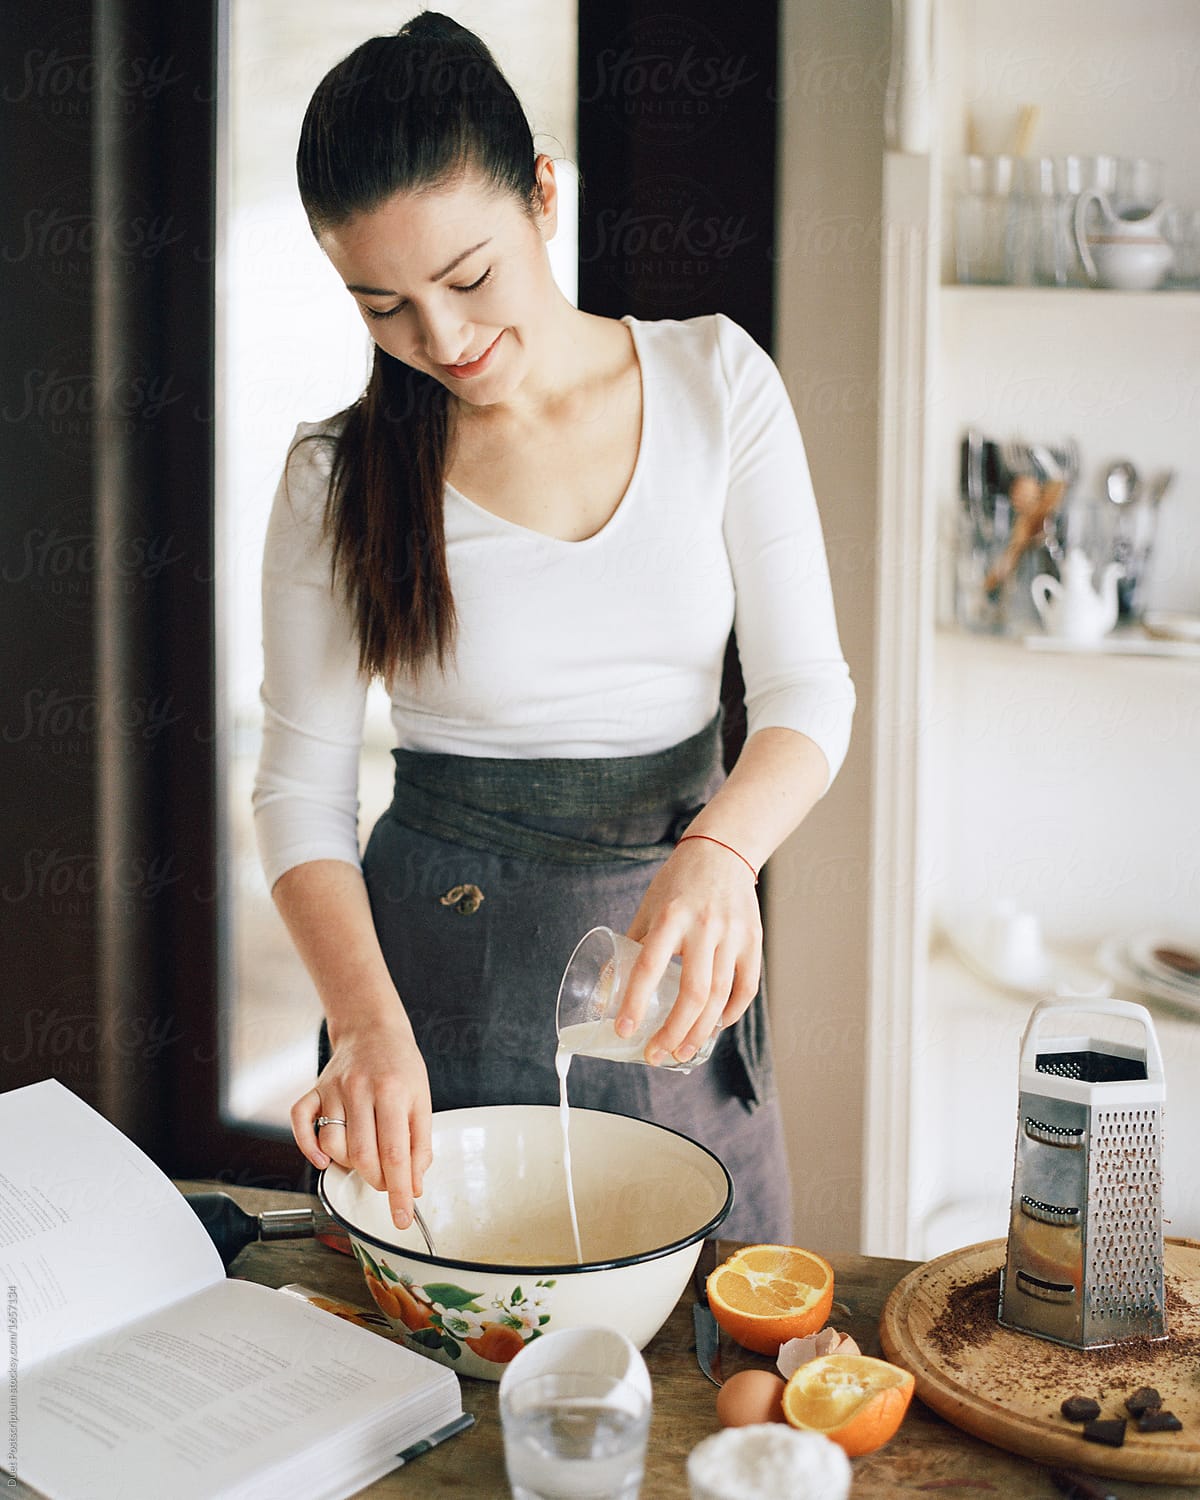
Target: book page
(91, 1232)
(233, 1382)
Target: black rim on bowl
(505, 1268)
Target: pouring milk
(589, 1000)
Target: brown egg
(750, 1396)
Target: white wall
(833, 71)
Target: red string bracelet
(730, 847)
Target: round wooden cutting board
(1007, 1387)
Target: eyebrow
(383, 291)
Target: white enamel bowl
(496, 1205)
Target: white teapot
(1130, 252)
(1071, 608)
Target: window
(293, 349)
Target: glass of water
(574, 1436)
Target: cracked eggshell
(797, 1352)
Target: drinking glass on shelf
(982, 240)
(1181, 229)
(1037, 247)
(1139, 183)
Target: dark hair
(400, 113)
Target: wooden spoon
(1033, 503)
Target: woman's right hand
(376, 1079)
(376, 1082)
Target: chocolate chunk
(1110, 1431)
(1157, 1420)
(1080, 1409)
(1145, 1398)
(1079, 1486)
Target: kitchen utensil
(591, 995)
(1130, 252)
(704, 1325)
(1033, 502)
(496, 1204)
(1158, 487)
(1137, 520)
(1006, 1387)
(423, 1227)
(1027, 123)
(1085, 1244)
(973, 484)
(708, 1342)
(1137, 544)
(231, 1228)
(1121, 481)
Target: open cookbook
(137, 1369)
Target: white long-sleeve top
(609, 646)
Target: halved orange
(855, 1401)
(765, 1294)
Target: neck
(569, 356)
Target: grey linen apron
(483, 875)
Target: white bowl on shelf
(1004, 947)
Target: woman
(537, 526)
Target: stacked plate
(1165, 966)
(1169, 625)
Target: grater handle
(1109, 1007)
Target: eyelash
(392, 311)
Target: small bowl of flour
(746, 1463)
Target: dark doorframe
(113, 875)
(113, 899)
(677, 154)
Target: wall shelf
(1073, 298)
(1123, 645)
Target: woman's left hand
(702, 905)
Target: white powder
(767, 1461)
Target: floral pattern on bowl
(452, 1324)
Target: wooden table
(928, 1457)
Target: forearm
(369, 1108)
(777, 780)
(325, 908)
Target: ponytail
(400, 113)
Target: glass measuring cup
(590, 998)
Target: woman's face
(454, 280)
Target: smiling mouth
(477, 365)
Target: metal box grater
(1085, 1240)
